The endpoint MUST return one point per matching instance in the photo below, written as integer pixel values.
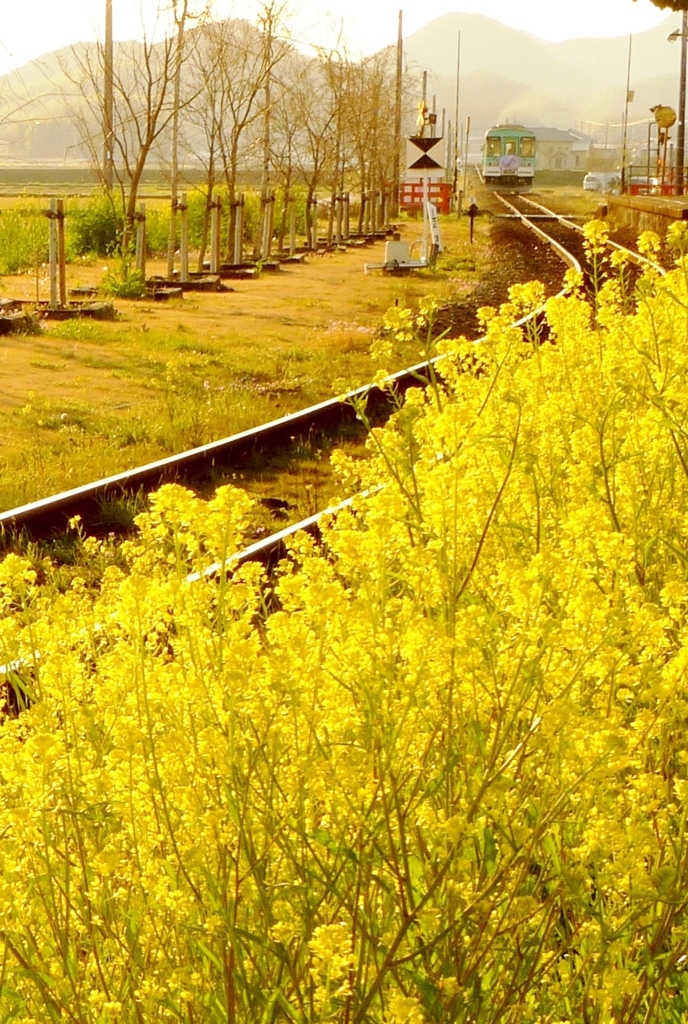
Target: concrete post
(183, 208)
(292, 227)
(314, 225)
(339, 200)
(215, 225)
(347, 216)
(141, 239)
(238, 256)
(61, 259)
(53, 258)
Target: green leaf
(489, 850)
(289, 1009)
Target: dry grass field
(84, 398)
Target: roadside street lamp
(681, 34)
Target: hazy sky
(29, 28)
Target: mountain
(37, 105)
(508, 75)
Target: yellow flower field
(436, 770)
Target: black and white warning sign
(424, 158)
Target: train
(509, 156)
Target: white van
(600, 181)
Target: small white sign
(433, 221)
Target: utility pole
(681, 139)
(397, 116)
(465, 159)
(455, 155)
(174, 168)
(108, 102)
(625, 117)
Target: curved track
(568, 257)
(50, 515)
(565, 222)
(272, 548)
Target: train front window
(528, 147)
(493, 146)
(510, 147)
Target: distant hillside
(37, 110)
(507, 75)
(47, 106)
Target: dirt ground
(83, 398)
(299, 306)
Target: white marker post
(183, 208)
(424, 161)
(238, 254)
(140, 217)
(215, 238)
(434, 227)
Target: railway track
(50, 515)
(270, 549)
(571, 259)
(567, 233)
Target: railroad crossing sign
(424, 158)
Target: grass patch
(78, 330)
(46, 364)
(163, 379)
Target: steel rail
(50, 515)
(635, 257)
(270, 549)
(560, 250)
(37, 516)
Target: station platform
(647, 213)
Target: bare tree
(370, 128)
(287, 135)
(310, 105)
(338, 72)
(335, 129)
(233, 67)
(181, 16)
(145, 102)
(206, 113)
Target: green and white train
(509, 156)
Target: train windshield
(510, 147)
(493, 146)
(528, 147)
